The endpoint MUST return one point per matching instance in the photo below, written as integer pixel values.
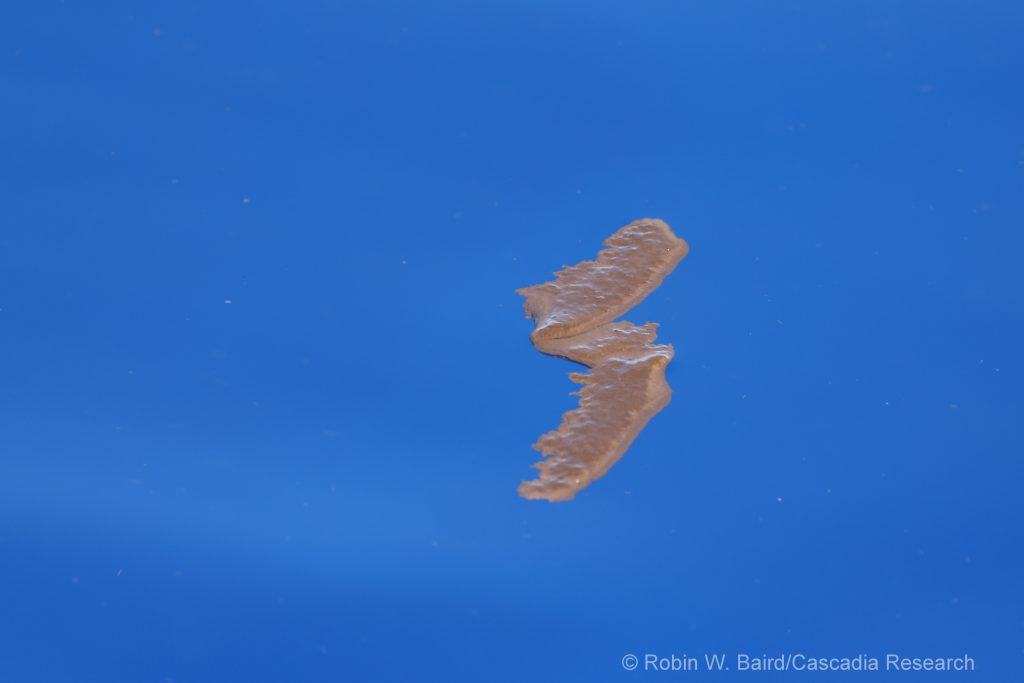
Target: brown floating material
(626, 384)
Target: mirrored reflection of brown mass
(625, 385)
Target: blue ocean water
(266, 390)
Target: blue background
(316, 481)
